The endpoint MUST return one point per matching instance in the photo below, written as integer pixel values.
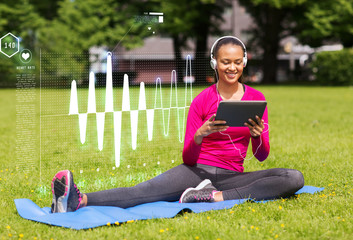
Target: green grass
(311, 130)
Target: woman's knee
(295, 179)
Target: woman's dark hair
(225, 41)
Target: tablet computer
(236, 113)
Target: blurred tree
(312, 22)
(326, 20)
(175, 25)
(274, 20)
(207, 22)
(46, 9)
(81, 24)
(193, 20)
(20, 18)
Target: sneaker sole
(61, 191)
(203, 184)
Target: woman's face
(230, 63)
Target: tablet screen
(236, 113)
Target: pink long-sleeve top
(217, 149)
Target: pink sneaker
(66, 196)
(204, 192)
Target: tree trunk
(201, 58)
(178, 59)
(271, 44)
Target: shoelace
(208, 198)
(79, 196)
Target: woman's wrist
(255, 137)
(198, 138)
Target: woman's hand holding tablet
(256, 127)
(210, 126)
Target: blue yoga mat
(95, 216)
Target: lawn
(310, 130)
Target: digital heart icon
(25, 56)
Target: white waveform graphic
(117, 115)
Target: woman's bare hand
(210, 126)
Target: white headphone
(213, 61)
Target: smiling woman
(230, 70)
(213, 153)
(228, 59)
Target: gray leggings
(168, 186)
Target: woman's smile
(231, 75)
(230, 63)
